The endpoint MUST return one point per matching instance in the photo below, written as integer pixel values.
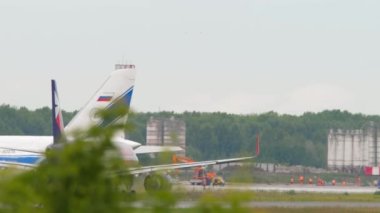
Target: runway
(285, 188)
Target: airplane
(118, 88)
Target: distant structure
(166, 131)
(353, 149)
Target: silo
(340, 148)
(168, 132)
(354, 148)
(331, 149)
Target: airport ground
(262, 197)
(265, 196)
(249, 174)
(245, 198)
(271, 192)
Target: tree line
(285, 139)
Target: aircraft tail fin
(257, 145)
(57, 119)
(118, 88)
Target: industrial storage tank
(349, 149)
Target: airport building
(166, 131)
(353, 149)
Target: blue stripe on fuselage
(29, 159)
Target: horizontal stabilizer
(155, 149)
(10, 164)
(31, 150)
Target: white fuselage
(36, 145)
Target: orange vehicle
(200, 175)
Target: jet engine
(157, 182)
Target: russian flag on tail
(105, 98)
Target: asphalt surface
(286, 188)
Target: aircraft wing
(147, 169)
(139, 150)
(154, 149)
(30, 150)
(144, 169)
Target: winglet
(257, 145)
(57, 120)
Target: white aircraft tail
(118, 88)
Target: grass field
(268, 210)
(325, 197)
(289, 196)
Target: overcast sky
(236, 56)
